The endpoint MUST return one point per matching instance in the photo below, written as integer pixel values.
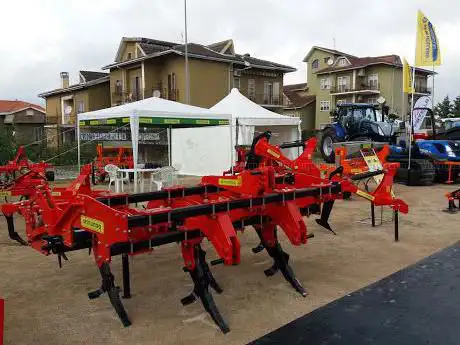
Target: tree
(7, 147)
(443, 109)
(456, 106)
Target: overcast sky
(40, 38)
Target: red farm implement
(266, 197)
(451, 198)
(120, 156)
(19, 176)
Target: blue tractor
(356, 122)
(364, 122)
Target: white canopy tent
(151, 112)
(210, 150)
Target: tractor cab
(356, 122)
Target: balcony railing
(267, 99)
(137, 95)
(359, 87)
(57, 120)
(422, 89)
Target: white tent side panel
(282, 134)
(201, 151)
(207, 150)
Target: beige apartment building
(145, 67)
(335, 77)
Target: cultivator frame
(21, 176)
(274, 194)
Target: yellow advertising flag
(427, 51)
(407, 77)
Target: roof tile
(13, 106)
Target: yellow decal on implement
(56, 193)
(230, 182)
(112, 122)
(354, 171)
(94, 122)
(203, 122)
(92, 224)
(273, 153)
(5, 193)
(365, 195)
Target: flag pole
(411, 126)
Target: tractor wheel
(327, 145)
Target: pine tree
(443, 109)
(456, 107)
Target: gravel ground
(48, 305)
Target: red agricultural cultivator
(452, 197)
(19, 176)
(120, 156)
(274, 192)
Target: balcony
(57, 120)
(422, 89)
(268, 100)
(361, 88)
(119, 97)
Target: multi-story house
(299, 103)
(335, 77)
(146, 67)
(63, 104)
(26, 121)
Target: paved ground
(417, 305)
(48, 305)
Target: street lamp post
(187, 80)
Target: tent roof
(249, 113)
(161, 111)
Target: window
(252, 89)
(268, 93)
(325, 105)
(80, 107)
(136, 88)
(172, 91)
(342, 61)
(118, 87)
(38, 133)
(276, 93)
(236, 82)
(325, 83)
(326, 59)
(373, 81)
(30, 112)
(343, 84)
(372, 100)
(129, 56)
(315, 64)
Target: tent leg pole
(78, 145)
(169, 146)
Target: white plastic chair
(164, 177)
(115, 178)
(111, 170)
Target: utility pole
(187, 79)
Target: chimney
(64, 80)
